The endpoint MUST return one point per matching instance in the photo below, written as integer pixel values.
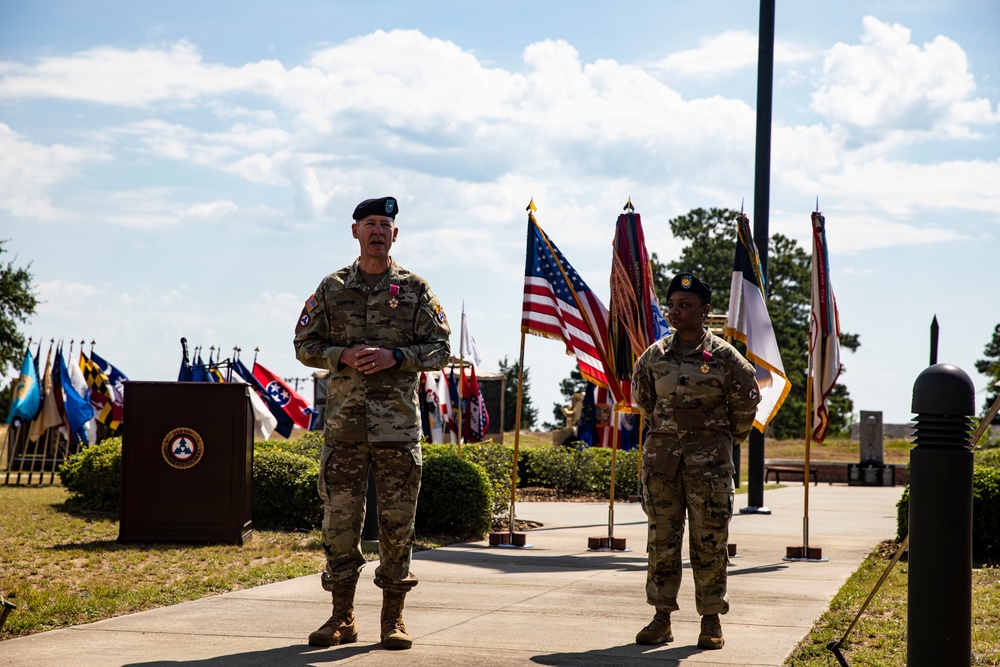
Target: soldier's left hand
(370, 360)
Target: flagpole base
(805, 554)
(753, 509)
(509, 540)
(606, 543)
(732, 551)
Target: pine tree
(529, 414)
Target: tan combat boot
(711, 632)
(340, 628)
(394, 635)
(658, 630)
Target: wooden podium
(187, 463)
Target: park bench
(787, 469)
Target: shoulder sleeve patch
(311, 303)
(439, 313)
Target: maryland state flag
(102, 396)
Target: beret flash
(686, 282)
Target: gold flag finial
(531, 205)
(628, 206)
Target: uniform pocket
(324, 457)
(719, 509)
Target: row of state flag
(72, 397)
(276, 406)
(441, 396)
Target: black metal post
(761, 237)
(934, 340)
(939, 613)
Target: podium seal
(183, 448)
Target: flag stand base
(605, 543)
(752, 509)
(508, 540)
(732, 552)
(805, 554)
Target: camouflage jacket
(697, 405)
(400, 312)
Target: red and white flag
(284, 396)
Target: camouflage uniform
(371, 419)
(696, 405)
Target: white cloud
(425, 119)
(886, 82)
(174, 75)
(28, 170)
(728, 52)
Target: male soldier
(374, 326)
(699, 396)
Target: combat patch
(304, 320)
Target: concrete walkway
(553, 604)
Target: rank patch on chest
(311, 303)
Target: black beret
(387, 206)
(686, 282)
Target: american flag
(559, 305)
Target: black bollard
(939, 618)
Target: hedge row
(457, 497)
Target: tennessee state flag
(284, 396)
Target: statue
(572, 413)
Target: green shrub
(93, 476)
(284, 489)
(308, 445)
(455, 498)
(497, 460)
(988, 458)
(579, 471)
(437, 448)
(985, 515)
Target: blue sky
(189, 169)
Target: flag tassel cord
(517, 436)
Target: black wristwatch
(397, 354)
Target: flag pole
(459, 425)
(611, 501)
(805, 465)
(517, 435)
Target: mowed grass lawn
(64, 568)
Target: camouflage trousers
(343, 483)
(708, 503)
